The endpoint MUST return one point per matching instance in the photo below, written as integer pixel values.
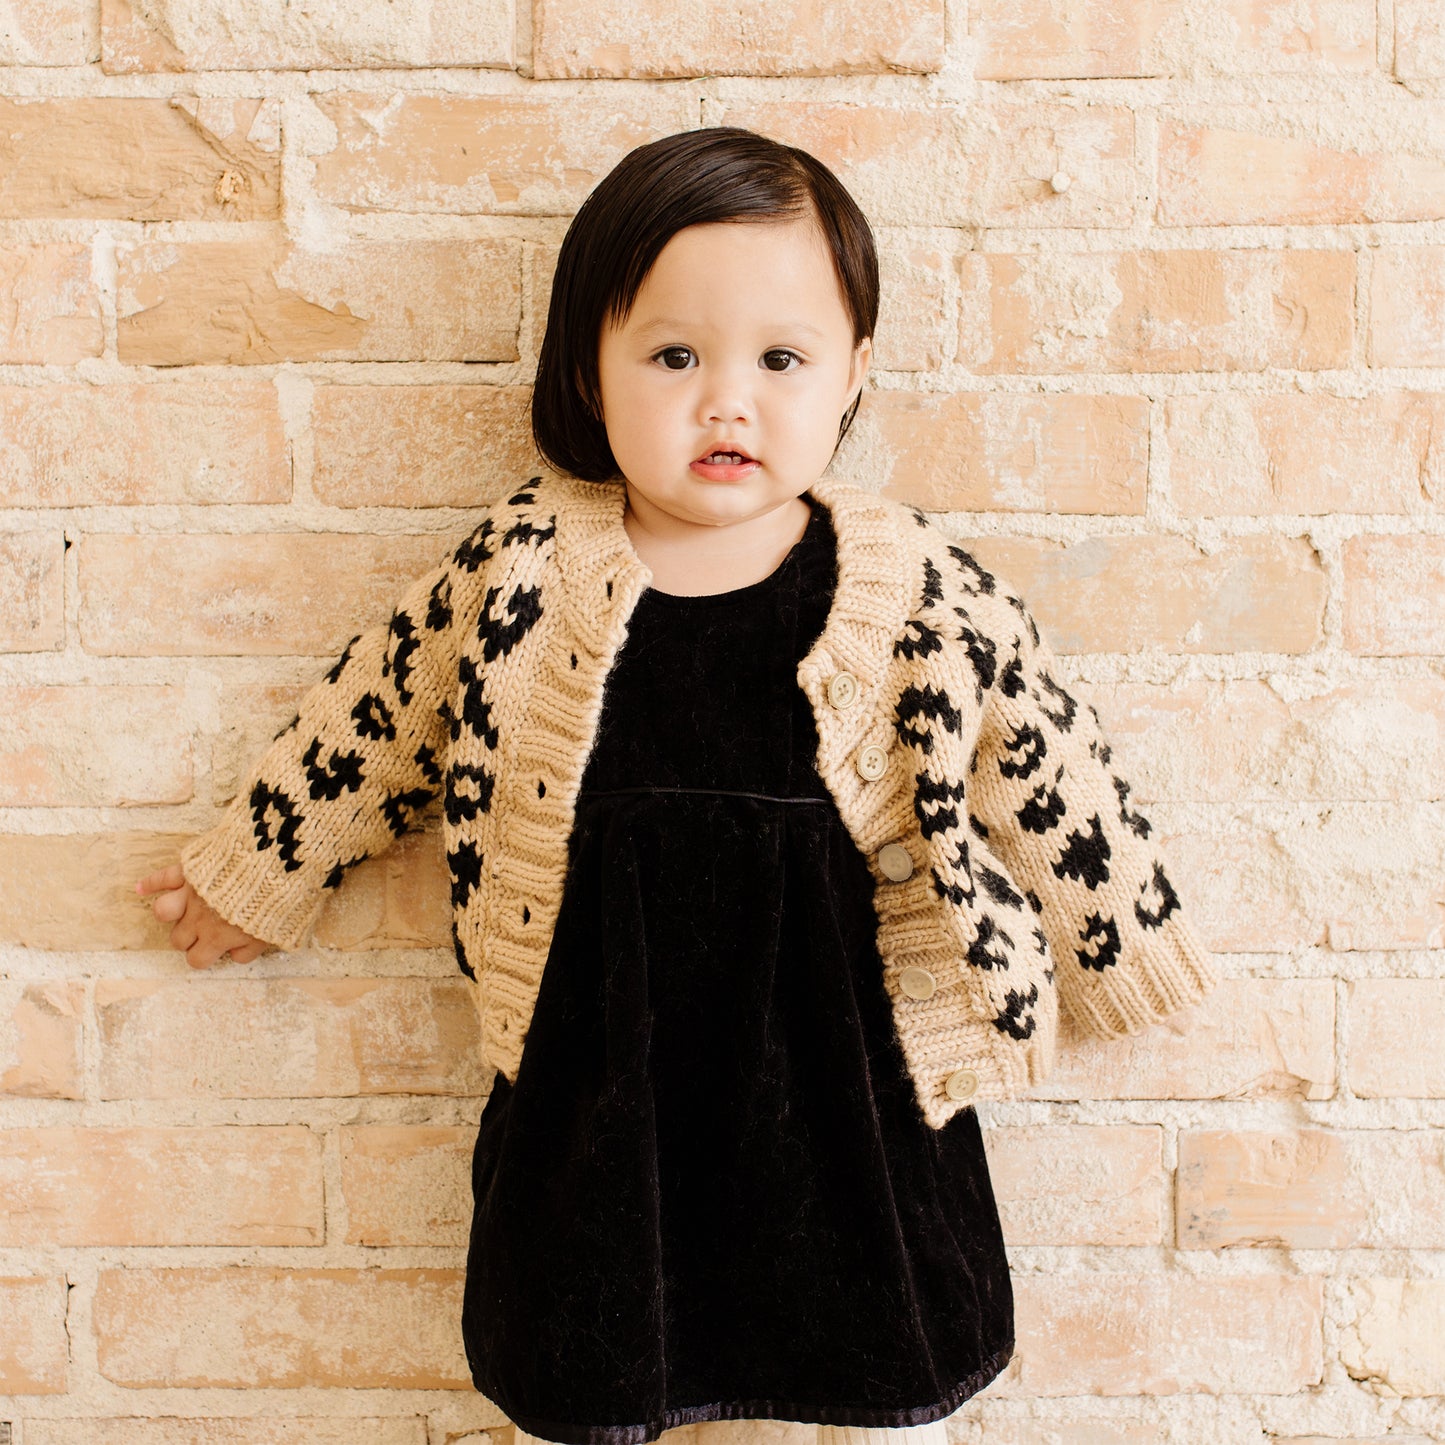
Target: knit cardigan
(1012, 875)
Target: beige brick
(49, 32)
(237, 35)
(1312, 37)
(1291, 452)
(1396, 1343)
(32, 582)
(421, 446)
(1206, 741)
(93, 746)
(140, 159)
(281, 1038)
(1070, 1184)
(658, 38)
(1036, 39)
(1124, 1334)
(399, 899)
(1392, 1439)
(49, 306)
(1010, 451)
(259, 300)
(1310, 1189)
(1419, 39)
(123, 1186)
(33, 1344)
(967, 165)
(405, 1184)
(1325, 168)
(1002, 1430)
(65, 445)
(1251, 1038)
(1126, 593)
(541, 263)
(247, 1430)
(1407, 306)
(275, 594)
(913, 287)
(89, 900)
(1354, 875)
(42, 1039)
(1394, 594)
(251, 716)
(1385, 1017)
(353, 1329)
(1156, 310)
(489, 154)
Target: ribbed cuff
(1174, 973)
(243, 886)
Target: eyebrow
(672, 323)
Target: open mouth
(725, 458)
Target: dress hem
(770, 1409)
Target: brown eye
(778, 355)
(670, 354)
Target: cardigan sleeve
(344, 778)
(1057, 813)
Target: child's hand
(200, 932)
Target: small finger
(247, 952)
(170, 907)
(201, 955)
(183, 936)
(171, 877)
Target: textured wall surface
(1164, 331)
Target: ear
(858, 368)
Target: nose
(726, 395)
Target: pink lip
(725, 471)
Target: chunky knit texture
(1034, 884)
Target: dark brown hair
(719, 173)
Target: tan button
(843, 689)
(896, 861)
(872, 762)
(962, 1084)
(917, 982)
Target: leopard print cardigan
(1013, 877)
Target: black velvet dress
(710, 1193)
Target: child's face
(738, 339)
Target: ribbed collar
(876, 585)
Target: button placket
(872, 762)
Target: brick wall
(1164, 329)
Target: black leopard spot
(499, 638)
(341, 661)
(426, 760)
(932, 583)
(1154, 916)
(982, 653)
(980, 955)
(1011, 679)
(1042, 811)
(1086, 857)
(265, 801)
(930, 703)
(463, 806)
(977, 581)
(373, 718)
(461, 953)
(977, 827)
(1101, 943)
(342, 773)
(523, 531)
(1023, 752)
(477, 548)
(964, 892)
(1063, 718)
(465, 865)
(402, 642)
(1137, 821)
(998, 888)
(926, 792)
(439, 606)
(1013, 1020)
(476, 710)
(338, 872)
(290, 727)
(918, 640)
(397, 808)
